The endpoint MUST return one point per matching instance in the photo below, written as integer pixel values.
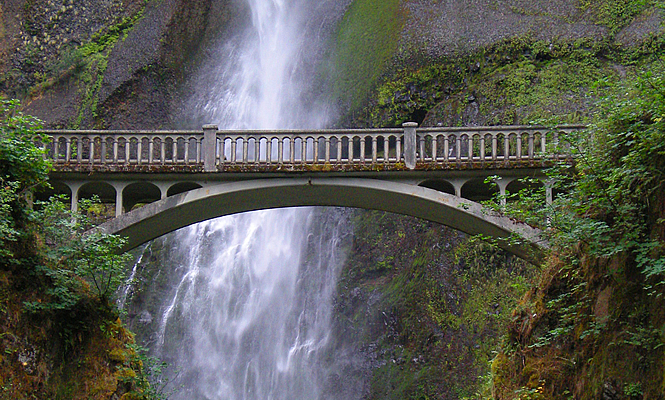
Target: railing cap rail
(116, 132)
(500, 128)
(293, 132)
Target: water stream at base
(248, 316)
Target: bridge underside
(180, 210)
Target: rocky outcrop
(115, 64)
(448, 62)
(122, 63)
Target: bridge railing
(212, 149)
(492, 144)
(125, 147)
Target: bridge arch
(171, 213)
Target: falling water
(248, 316)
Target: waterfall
(251, 309)
(247, 311)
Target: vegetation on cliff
(424, 306)
(60, 335)
(594, 327)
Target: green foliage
(23, 169)
(20, 160)
(144, 374)
(367, 38)
(619, 171)
(95, 53)
(605, 228)
(76, 260)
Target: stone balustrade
(213, 150)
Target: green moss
(366, 40)
(616, 14)
(434, 319)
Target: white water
(250, 314)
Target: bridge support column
(118, 201)
(209, 147)
(74, 187)
(410, 144)
(503, 184)
(549, 195)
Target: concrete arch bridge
(160, 181)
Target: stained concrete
(156, 219)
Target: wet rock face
(104, 64)
(40, 32)
(450, 26)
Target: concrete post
(503, 184)
(74, 187)
(118, 201)
(209, 147)
(549, 195)
(410, 144)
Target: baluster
(292, 149)
(506, 146)
(174, 152)
(350, 145)
(257, 150)
(280, 150)
(494, 146)
(245, 150)
(102, 156)
(315, 143)
(482, 147)
(303, 151)
(327, 155)
(421, 142)
(234, 149)
(458, 147)
(339, 149)
(128, 154)
(531, 145)
(398, 149)
(386, 148)
(269, 151)
(362, 150)
(374, 149)
(446, 148)
(469, 149)
(56, 150)
(139, 150)
(434, 148)
(151, 148)
(162, 150)
(68, 149)
(519, 146)
(92, 150)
